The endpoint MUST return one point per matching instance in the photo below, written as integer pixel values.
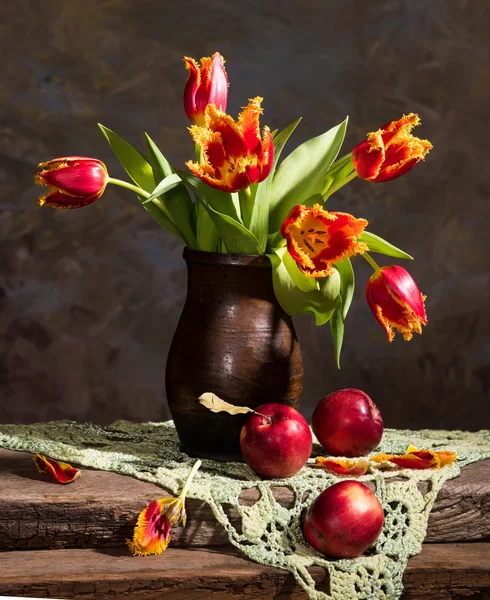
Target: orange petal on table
(62, 472)
(418, 459)
(345, 466)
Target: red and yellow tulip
(391, 151)
(233, 153)
(317, 239)
(206, 84)
(74, 181)
(396, 301)
(153, 530)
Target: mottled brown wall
(89, 300)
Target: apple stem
(268, 419)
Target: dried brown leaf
(216, 404)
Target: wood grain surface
(439, 572)
(100, 509)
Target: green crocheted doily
(271, 534)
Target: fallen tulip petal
(418, 459)
(348, 466)
(62, 472)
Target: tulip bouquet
(237, 197)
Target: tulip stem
(371, 261)
(189, 479)
(141, 192)
(128, 186)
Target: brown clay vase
(233, 339)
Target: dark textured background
(89, 299)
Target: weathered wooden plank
(439, 572)
(100, 509)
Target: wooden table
(68, 541)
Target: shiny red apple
(344, 521)
(277, 442)
(347, 423)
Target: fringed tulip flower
(62, 472)
(154, 527)
(233, 154)
(206, 84)
(391, 151)
(75, 181)
(396, 301)
(317, 239)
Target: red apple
(277, 444)
(347, 423)
(344, 520)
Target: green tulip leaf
(347, 284)
(292, 299)
(160, 165)
(134, 163)
(341, 170)
(381, 246)
(170, 182)
(236, 237)
(207, 233)
(302, 173)
(300, 280)
(259, 221)
(162, 219)
(337, 331)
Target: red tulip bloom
(206, 84)
(396, 301)
(233, 154)
(75, 181)
(317, 238)
(391, 151)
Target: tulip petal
(347, 466)
(59, 200)
(317, 239)
(418, 459)
(153, 529)
(62, 472)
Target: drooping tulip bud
(317, 239)
(391, 151)
(75, 181)
(396, 301)
(206, 84)
(233, 153)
